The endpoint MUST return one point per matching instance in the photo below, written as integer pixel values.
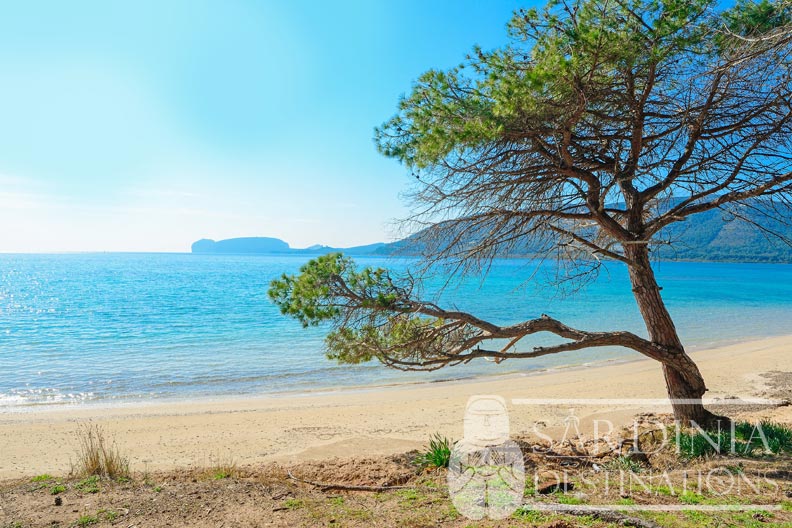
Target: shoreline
(109, 404)
(369, 422)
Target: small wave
(42, 396)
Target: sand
(386, 420)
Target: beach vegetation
(436, 455)
(740, 439)
(223, 468)
(624, 463)
(57, 489)
(86, 520)
(42, 478)
(88, 484)
(98, 454)
(590, 139)
(293, 504)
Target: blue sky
(143, 126)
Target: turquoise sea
(110, 328)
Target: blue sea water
(104, 328)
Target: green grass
(529, 515)
(690, 497)
(87, 520)
(88, 485)
(748, 440)
(57, 488)
(409, 495)
(624, 463)
(437, 453)
(570, 499)
(41, 478)
(293, 504)
(223, 468)
(157, 489)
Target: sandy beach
(387, 420)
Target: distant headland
(268, 245)
(714, 236)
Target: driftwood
(601, 514)
(327, 486)
(611, 516)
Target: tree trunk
(683, 380)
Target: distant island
(716, 236)
(268, 245)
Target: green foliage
(690, 497)
(307, 296)
(87, 520)
(57, 489)
(293, 504)
(570, 499)
(748, 440)
(367, 306)
(538, 79)
(88, 485)
(41, 478)
(311, 298)
(437, 453)
(749, 18)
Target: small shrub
(41, 478)
(98, 455)
(157, 489)
(437, 454)
(749, 440)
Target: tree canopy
(578, 134)
(600, 125)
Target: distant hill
(241, 245)
(710, 236)
(719, 236)
(259, 245)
